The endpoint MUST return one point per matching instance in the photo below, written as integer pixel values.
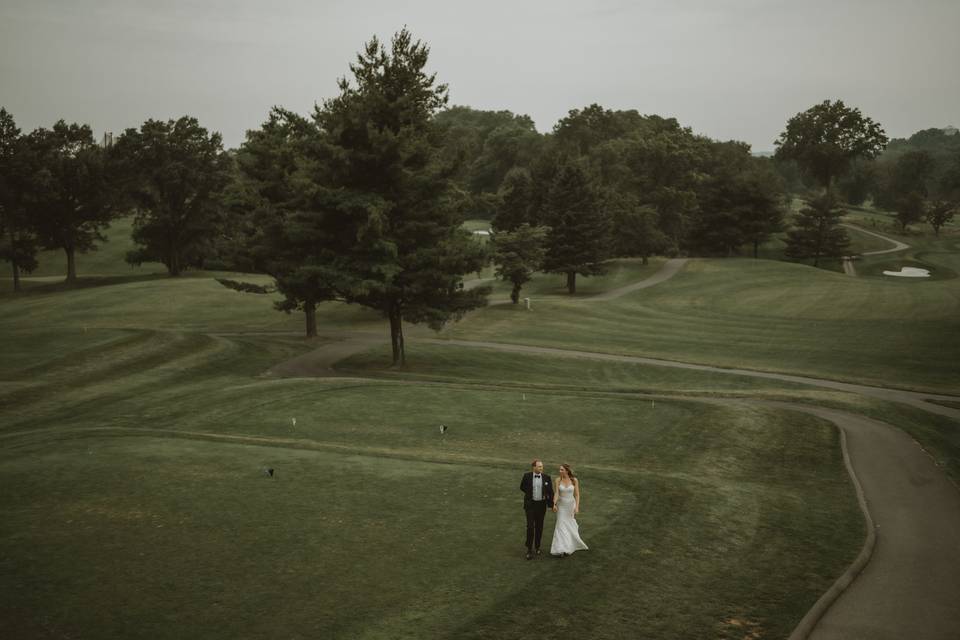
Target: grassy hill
(133, 467)
(763, 315)
(136, 423)
(108, 259)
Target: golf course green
(138, 430)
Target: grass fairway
(374, 527)
(135, 425)
(135, 505)
(759, 314)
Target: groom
(537, 496)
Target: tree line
(916, 178)
(363, 199)
(60, 190)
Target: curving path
(910, 586)
(905, 583)
(668, 270)
(914, 398)
(848, 267)
(902, 585)
(897, 245)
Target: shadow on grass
(35, 287)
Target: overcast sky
(730, 69)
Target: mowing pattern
(136, 504)
(135, 432)
(760, 315)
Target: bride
(566, 504)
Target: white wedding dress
(566, 535)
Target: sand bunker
(908, 272)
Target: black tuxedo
(535, 510)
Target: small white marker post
(293, 423)
(526, 301)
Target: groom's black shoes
(538, 551)
(529, 555)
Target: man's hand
(554, 508)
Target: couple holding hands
(564, 499)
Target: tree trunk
(396, 335)
(71, 264)
(756, 249)
(515, 294)
(173, 268)
(310, 310)
(646, 259)
(571, 282)
(13, 262)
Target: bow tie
(536, 475)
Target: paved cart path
(906, 581)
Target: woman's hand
(576, 511)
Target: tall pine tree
(381, 203)
(579, 238)
(817, 232)
(268, 230)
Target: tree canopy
(174, 173)
(17, 241)
(826, 138)
(359, 202)
(72, 193)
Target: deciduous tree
(17, 241)
(72, 196)
(826, 138)
(939, 213)
(174, 172)
(911, 209)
